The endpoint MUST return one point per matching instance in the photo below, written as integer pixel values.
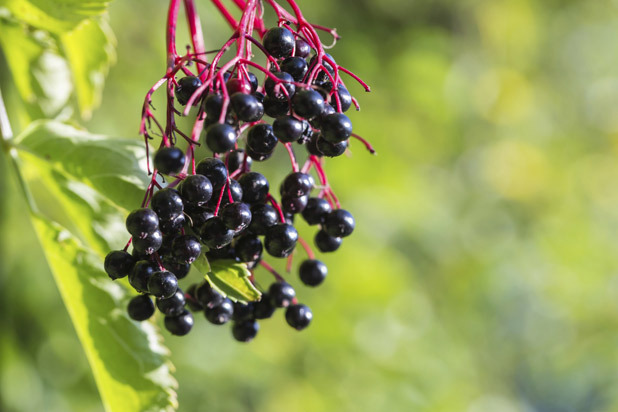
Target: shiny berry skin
(220, 137)
(297, 184)
(207, 296)
(263, 308)
(215, 234)
(179, 325)
(325, 63)
(162, 284)
(281, 294)
(141, 222)
(181, 270)
(288, 128)
(345, 98)
(140, 308)
(274, 89)
(167, 203)
(303, 49)
(276, 108)
(200, 216)
(186, 87)
(234, 188)
(169, 160)
(254, 186)
(261, 138)
(327, 243)
(279, 42)
(336, 127)
(242, 311)
(186, 249)
(221, 313)
(196, 189)
(173, 225)
(316, 210)
(142, 272)
(312, 272)
(247, 107)
(237, 86)
(331, 149)
(262, 218)
(280, 240)
(236, 216)
(258, 157)
(296, 67)
(248, 248)
(214, 170)
(293, 205)
(118, 264)
(339, 223)
(307, 103)
(236, 158)
(174, 305)
(312, 146)
(298, 316)
(213, 105)
(149, 244)
(245, 331)
(253, 81)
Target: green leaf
(90, 51)
(127, 358)
(115, 168)
(230, 278)
(56, 16)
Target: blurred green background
(483, 274)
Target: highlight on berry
(216, 211)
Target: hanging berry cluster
(217, 208)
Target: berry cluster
(221, 208)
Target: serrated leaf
(126, 357)
(90, 50)
(56, 16)
(230, 278)
(115, 168)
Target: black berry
(254, 187)
(248, 248)
(174, 305)
(327, 243)
(331, 149)
(296, 67)
(162, 284)
(288, 128)
(336, 127)
(214, 170)
(186, 87)
(118, 264)
(316, 210)
(312, 272)
(141, 222)
(167, 203)
(298, 316)
(279, 42)
(281, 294)
(280, 240)
(236, 216)
(220, 137)
(215, 234)
(297, 184)
(274, 89)
(245, 331)
(140, 308)
(142, 272)
(179, 325)
(169, 160)
(307, 103)
(221, 313)
(148, 244)
(262, 218)
(207, 296)
(247, 107)
(339, 223)
(196, 189)
(276, 108)
(186, 249)
(261, 138)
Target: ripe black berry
(262, 218)
(243, 311)
(220, 137)
(167, 203)
(148, 244)
(196, 189)
(281, 294)
(142, 272)
(200, 216)
(245, 331)
(336, 127)
(345, 98)
(280, 240)
(297, 184)
(276, 108)
(293, 205)
(236, 158)
(118, 264)
(258, 157)
(327, 243)
(186, 87)
(207, 296)
(140, 308)
(263, 309)
(339, 223)
(261, 138)
(247, 107)
(288, 128)
(221, 313)
(254, 187)
(312, 272)
(214, 170)
(316, 210)
(179, 325)
(169, 160)
(162, 284)
(174, 305)
(181, 270)
(279, 42)
(296, 67)
(303, 49)
(298, 316)
(307, 103)
(248, 248)
(215, 234)
(274, 89)
(235, 190)
(173, 225)
(212, 106)
(331, 149)
(186, 249)
(236, 216)
(141, 222)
